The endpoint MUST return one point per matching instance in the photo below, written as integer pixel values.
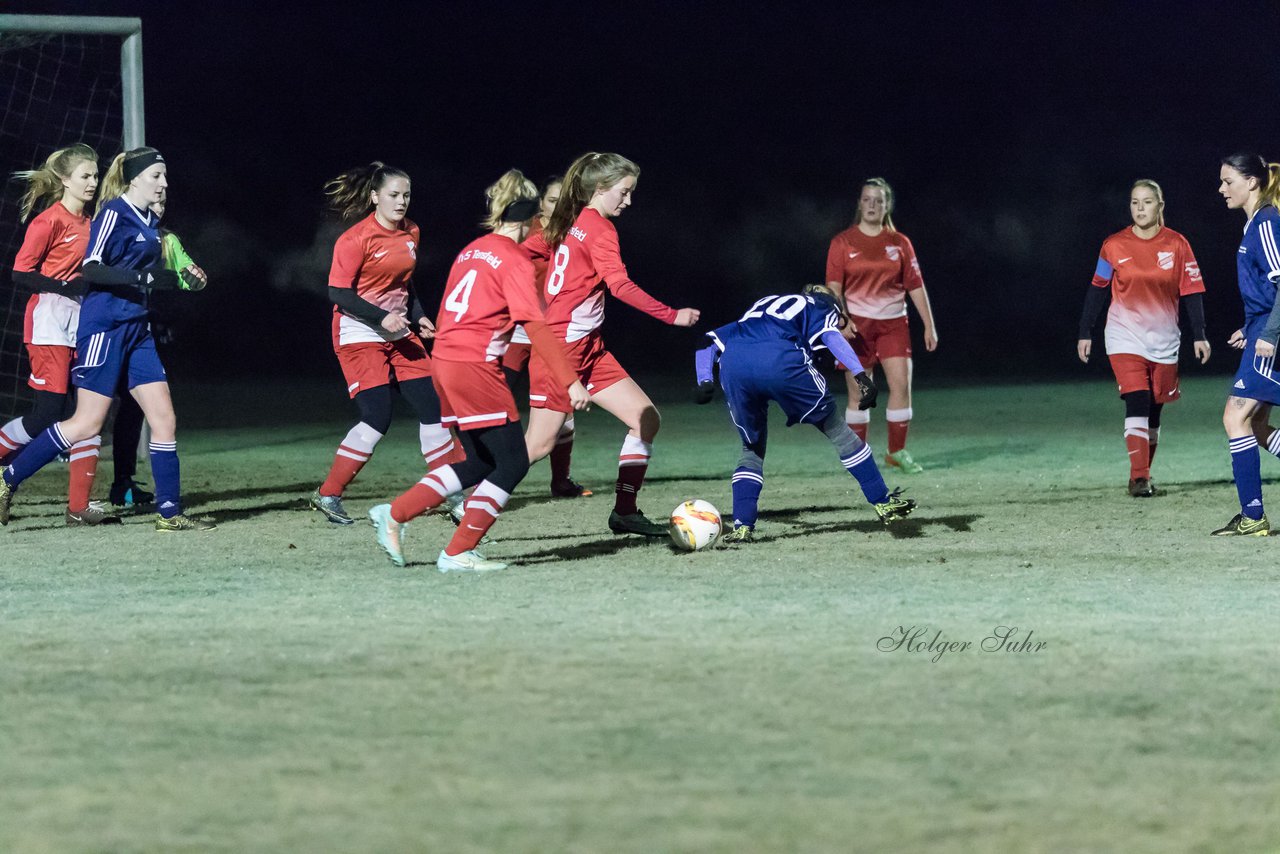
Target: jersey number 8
(556, 280)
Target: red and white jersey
(582, 266)
(490, 288)
(875, 272)
(54, 246)
(378, 263)
(519, 336)
(1147, 277)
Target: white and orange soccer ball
(695, 525)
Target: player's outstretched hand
(579, 397)
(687, 317)
(867, 391)
(704, 392)
(426, 329)
(394, 322)
(1202, 351)
(1236, 341)
(1084, 347)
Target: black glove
(158, 278)
(867, 391)
(704, 393)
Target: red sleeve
(550, 350)
(630, 293)
(35, 246)
(522, 293)
(835, 261)
(911, 276)
(536, 247)
(1190, 283)
(607, 258)
(348, 258)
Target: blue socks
(747, 484)
(862, 465)
(164, 468)
(1247, 469)
(35, 456)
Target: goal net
(60, 82)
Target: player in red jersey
(581, 244)
(1148, 268)
(873, 267)
(517, 358)
(373, 326)
(491, 287)
(49, 264)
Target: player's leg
(544, 427)
(749, 412)
(356, 448)
(1268, 437)
(126, 434)
(504, 447)
(1137, 441)
(562, 484)
(47, 408)
(437, 443)
(625, 400)
(86, 423)
(897, 375)
(857, 459)
(859, 420)
(1237, 419)
(157, 408)
(1153, 431)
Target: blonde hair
(588, 173)
(1155, 189)
(350, 194)
(44, 185)
(113, 183)
(513, 186)
(888, 201)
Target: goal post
(63, 79)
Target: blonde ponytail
(44, 185)
(510, 188)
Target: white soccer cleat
(452, 509)
(471, 561)
(390, 532)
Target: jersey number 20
(783, 308)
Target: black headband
(140, 162)
(521, 210)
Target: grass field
(276, 685)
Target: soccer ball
(695, 525)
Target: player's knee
(375, 408)
(752, 458)
(1137, 404)
(648, 423)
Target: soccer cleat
(95, 514)
(635, 523)
(894, 507)
(1242, 526)
(569, 488)
(902, 460)
(127, 493)
(6, 499)
(452, 508)
(390, 532)
(471, 561)
(182, 523)
(331, 507)
(740, 535)
(1141, 487)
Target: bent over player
(1148, 268)
(767, 354)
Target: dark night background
(1011, 135)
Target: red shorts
(473, 395)
(516, 357)
(877, 340)
(1134, 373)
(371, 364)
(596, 368)
(50, 367)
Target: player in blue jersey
(125, 262)
(767, 354)
(1251, 184)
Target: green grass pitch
(276, 685)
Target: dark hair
(1266, 174)
(349, 193)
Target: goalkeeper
(768, 355)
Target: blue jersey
(792, 320)
(1258, 267)
(125, 237)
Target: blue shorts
(126, 351)
(753, 376)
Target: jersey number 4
(783, 308)
(459, 298)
